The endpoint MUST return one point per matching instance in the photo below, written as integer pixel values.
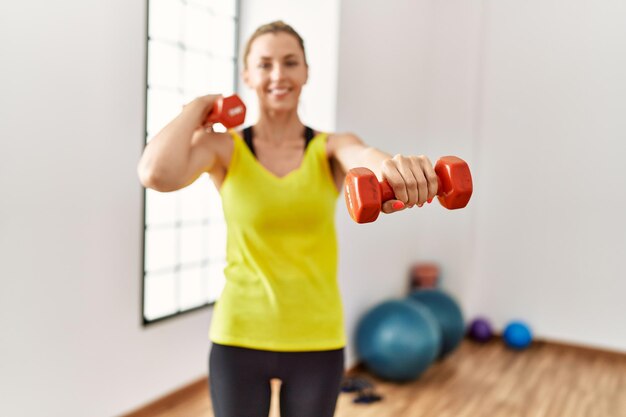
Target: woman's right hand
(203, 106)
(179, 152)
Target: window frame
(144, 226)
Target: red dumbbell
(365, 195)
(229, 111)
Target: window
(192, 51)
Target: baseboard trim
(596, 350)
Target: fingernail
(420, 205)
(430, 200)
(398, 205)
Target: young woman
(280, 313)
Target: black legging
(240, 381)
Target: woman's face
(276, 70)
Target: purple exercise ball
(480, 330)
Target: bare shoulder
(340, 140)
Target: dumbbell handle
(387, 193)
(454, 183)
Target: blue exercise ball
(448, 315)
(398, 340)
(517, 335)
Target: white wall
(532, 96)
(551, 231)
(72, 343)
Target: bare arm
(351, 152)
(181, 151)
(412, 178)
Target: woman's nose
(277, 72)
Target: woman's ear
(245, 76)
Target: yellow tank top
(281, 290)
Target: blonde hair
(275, 27)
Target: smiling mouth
(279, 91)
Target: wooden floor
(477, 380)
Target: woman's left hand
(413, 180)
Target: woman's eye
(264, 65)
(292, 63)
